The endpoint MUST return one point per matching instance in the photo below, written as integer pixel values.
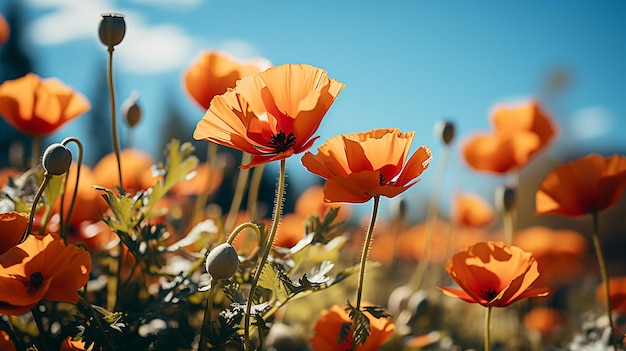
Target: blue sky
(406, 64)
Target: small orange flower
(520, 132)
(589, 184)
(136, 171)
(213, 73)
(329, 324)
(493, 274)
(5, 30)
(559, 253)
(39, 107)
(12, 226)
(41, 268)
(617, 293)
(272, 114)
(198, 184)
(311, 202)
(360, 166)
(469, 210)
(544, 320)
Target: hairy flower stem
(31, 218)
(242, 181)
(487, 328)
(431, 220)
(605, 275)
(208, 311)
(116, 146)
(364, 254)
(200, 205)
(278, 206)
(65, 221)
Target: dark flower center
(489, 294)
(381, 179)
(281, 142)
(35, 280)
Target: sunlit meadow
(134, 254)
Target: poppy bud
(132, 110)
(112, 29)
(506, 197)
(445, 131)
(57, 159)
(222, 262)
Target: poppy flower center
(489, 294)
(381, 179)
(35, 280)
(282, 141)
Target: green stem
(65, 221)
(116, 146)
(33, 209)
(487, 329)
(253, 191)
(242, 180)
(208, 311)
(280, 192)
(364, 254)
(36, 151)
(98, 322)
(200, 205)
(508, 222)
(605, 275)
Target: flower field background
(219, 243)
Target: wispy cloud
(185, 4)
(591, 122)
(146, 49)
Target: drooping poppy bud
(112, 29)
(132, 110)
(222, 262)
(506, 198)
(57, 159)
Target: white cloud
(146, 48)
(591, 122)
(170, 3)
(239, 48)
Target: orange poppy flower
(469, 210)
(41, 268)
(586, 185)
(327, 327)
(213, 73)
(360, 166)
(617, 293)
(198, 184)
(39, 107)
(493, 274)
(311, 202)
(520, 132)
(5, 30)
(12, 226)
(6, 343)
(544, 320)
(290, 231)
(272, 114)
(136, 170)
(74, 345)
(559, 253)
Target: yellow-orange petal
(471, 210)
(12, 226)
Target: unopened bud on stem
(222, 262)
(132, 110)
(57, 159)
(112, 29)
(444, 130)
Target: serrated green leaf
(376, 311)
(179, 164)
(124, 208)
(360, 322)
(272, 280)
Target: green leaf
(126, 214)
(360, 322)
(275, 280)
(179, 166)
(376, 311)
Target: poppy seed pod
(222, 262)
(112, 29)
(57, 159)
(506, 198)
(132, 110)
(444, 130)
